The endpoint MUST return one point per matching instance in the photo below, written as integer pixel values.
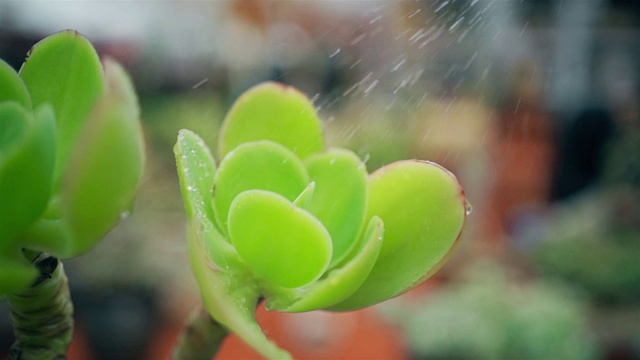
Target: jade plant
(71, 159)
(285, 220)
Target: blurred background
(532, 104)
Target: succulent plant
(303, 227)
(71, 153)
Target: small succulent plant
(283, 219)
(70, 153)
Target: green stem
(42, 315)
(201, 338)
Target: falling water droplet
(468, 208)
(334, 53)
(441, 6)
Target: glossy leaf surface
(274, 237)
(340, 197)
(64, 70)
(261, 165)
(276, 112)
(340, 283)
(423, 210)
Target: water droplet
(124, 215)
(334, 53)
(468, 208)
(455, 25)
(441, 6)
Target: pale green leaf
(340, 197)
(12, 88)
(272, 111)
(64, 70)
(423, 209)
(282, 244)
(258, 165)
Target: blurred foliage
(490, 313)
(164, 115)
(377, 135)
(594, 240)
(590, 245)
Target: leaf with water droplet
(423, 210)
(276, 112)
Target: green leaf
(15, 123)
(196, 170)
(272, 111)
(304, 199)
(12, 88)
(26, 166)
(340, 197)
(259, 165)
(64, 70)
(423, 209)
(15, 275)
(282, 244)
(230, 298)
(340, 283)
(104, 172)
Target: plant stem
(42, 315)
(201, 338)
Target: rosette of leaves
(303, 227)
(71, 153)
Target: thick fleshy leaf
(15, 123)
(196, 170)
(340, 283)
(26, 165)
(230, 298)
(423, 209)
(15, 275)
(258, 165)
(272, 111)
(12, 88)
(64, 70)
(106, 166)
(282, 244)
(340, 197)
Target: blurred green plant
(283, 219)
(71, 158)
(488, 313)
(594, 243)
